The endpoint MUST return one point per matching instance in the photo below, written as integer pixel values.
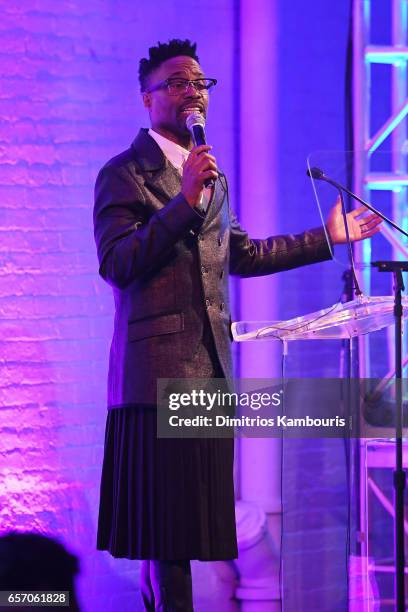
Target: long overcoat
(169, 265)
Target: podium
(358, 317)
(342, 320)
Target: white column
(259, 458)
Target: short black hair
(163, 52)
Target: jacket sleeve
(257, 257)
(130, 240)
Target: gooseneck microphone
(316, 173)
(319, 175)
(195, 124)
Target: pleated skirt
(166, 498)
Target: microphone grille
(195, 119)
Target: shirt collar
(176, 154)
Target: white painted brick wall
(68, 102)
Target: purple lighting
(69, 101)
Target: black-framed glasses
(177, 87)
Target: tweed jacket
(169, 265)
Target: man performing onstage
(166, 244)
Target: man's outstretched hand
(361, 224)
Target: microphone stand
(396, 267)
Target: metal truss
(393, 133)
(374, 172)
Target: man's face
(168, 113)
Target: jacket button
(203, 269)
(207, 303)
(222, 306)
(219, 241)
(222, 273)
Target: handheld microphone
(195, 124)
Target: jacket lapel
(159, 174)
(164, 183)
(163, 179)
(216, 201)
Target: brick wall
(69, 101)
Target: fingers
(200, 149)
(199, 153)
(369, 233)
(358, 211)
(197, 169)
(369, 225)
(370, 217)
(203, 159)
(206, 164)
(209, 174)
(372, 221)
(201, 163)
(366, 220)
(199, 156)
(366, 223)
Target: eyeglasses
(177, 87)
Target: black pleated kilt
(165, 498)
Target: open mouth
(192, 109)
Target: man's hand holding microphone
(200, 168)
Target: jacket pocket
(158, 325)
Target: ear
(147, 100)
